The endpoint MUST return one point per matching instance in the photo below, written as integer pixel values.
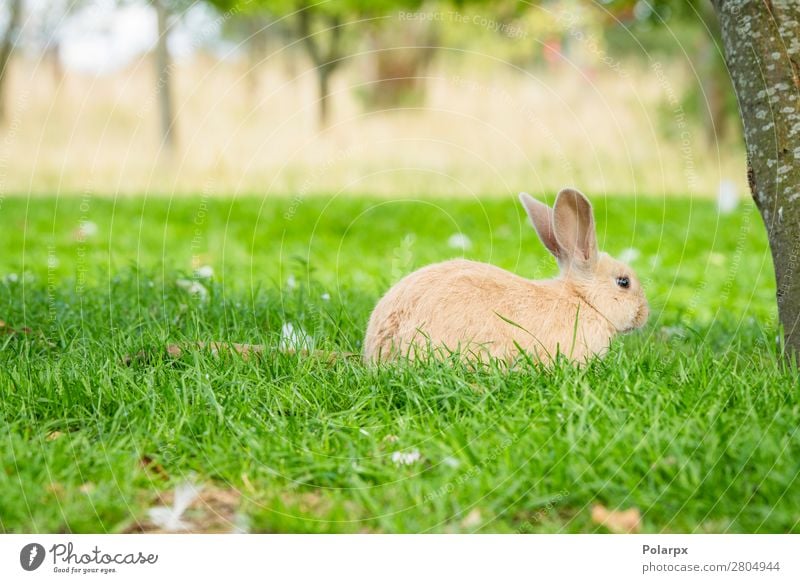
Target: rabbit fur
(478, 310)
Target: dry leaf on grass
(244, 351)
(153, 466)
(56, 489)
(306, 502)
(193, 508)
(170, 518)
(472, 519)
(617, 521)
(6, 329)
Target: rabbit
(480, 310)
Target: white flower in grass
(451, 462)
(194, 288)
(406, 458)
(326, 297)
(473, 519)
(241, 524)
(291, 282)
(727, 197)
(204, 272)
(11, 278)
(629, 255)
(673, 331)
(171, 518)
(716, 258)
(88, 229)
(295, 338)
(459, 241)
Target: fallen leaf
(6, 329)
(617, 521)
(472, 519)
(56, 489)
(306, 502)
(193, 508)
(151, 465)
(174, 350)
(170, 518)
(248, 484)
(53, 435)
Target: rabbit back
(481, 311)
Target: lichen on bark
(761, 40)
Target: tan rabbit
(480, 310)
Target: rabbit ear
(541, 217)
(573, 224)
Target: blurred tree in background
(260, 35)
(711, 99)
(43, 31)
(13, 19)
(167, 11)
(328, 31)
(399, 57)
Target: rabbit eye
(624, 282)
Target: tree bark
(51, 55)
(712, 97)
(164, 85)
(6, 48)
(761, 39)
(323, 83)
(714, 78)
(324, 63)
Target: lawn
(693, 421)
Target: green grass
(693, 420)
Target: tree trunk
(323, 83)
(762, 49)
(714, 79)
(6, 48)
(712, 97)
(326, 63)
(164, 71)
(52, 57)
(256, 46)
(398, 77)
